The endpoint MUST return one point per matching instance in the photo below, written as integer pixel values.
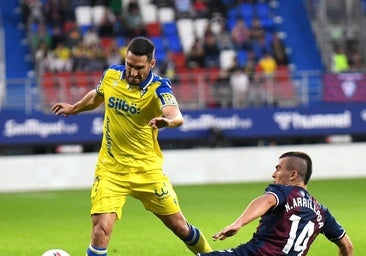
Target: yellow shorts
(153, 188)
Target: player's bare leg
(190, 235)
(102, 229)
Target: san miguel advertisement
(345, 87)
(87, 128)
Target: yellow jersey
(129, 144)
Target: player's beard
(134, 80)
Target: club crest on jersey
(122, 105)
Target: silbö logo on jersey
(122, 105)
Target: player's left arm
(172, 117)
(257, 208)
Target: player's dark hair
(301, 162)
(141, 46)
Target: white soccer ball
(55, 252)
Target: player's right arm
(89, 102)
(345, 246)
(257, 208)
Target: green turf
(34, 222)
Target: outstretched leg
(189, 234)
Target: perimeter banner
(345, 87)
(244, 123)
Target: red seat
(179, 60)
(49, 91)
(105, 42)
(153, 29)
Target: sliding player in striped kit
(290, 217)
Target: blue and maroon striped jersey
(293, 224)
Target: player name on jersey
(304, 202)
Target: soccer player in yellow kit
(137, 103)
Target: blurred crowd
(58, 43)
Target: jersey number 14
(300, 242)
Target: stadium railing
(194, 90)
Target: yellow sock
(196, 242)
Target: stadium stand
(18, 59)
(175, 32)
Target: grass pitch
(34, 222)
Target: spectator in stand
(134, 22)
(267, 68)
(97, 61)
(168, 68)
(239, 82)
(25, 12)
(211, 49)
(339, 60)
(222, 91)
(240, 35)
(260, 46)
(200, 9)
(222, 34)
(123, 49)
(31, 12)
(119, 26)
(183, 8)
(55, 19)
(41, 35)
(256, 30)
(196, 56)
(105, 28)
(72, 35)
(278, 50)
(80, 57)
(57, 36)
(56, 11)
(267, 64)
(115, 6)
(250, 65)
(61, 58)
(91, 37)
(217, 6)
(257, 91)
(42, 58)
(113, 54)
(355, 62)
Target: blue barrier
(334, 119)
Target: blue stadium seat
(121, 41)
(268, 24)
(262, 10)
(84, 28)
(159, 43)
(169, 28)
(232, 13)
(160, 56)
(230, 23)
(174, 43)
(242, 58)
(246, 10)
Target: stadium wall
(194, 166)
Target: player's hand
(159, 122)
(226, 232)
(62, 109)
